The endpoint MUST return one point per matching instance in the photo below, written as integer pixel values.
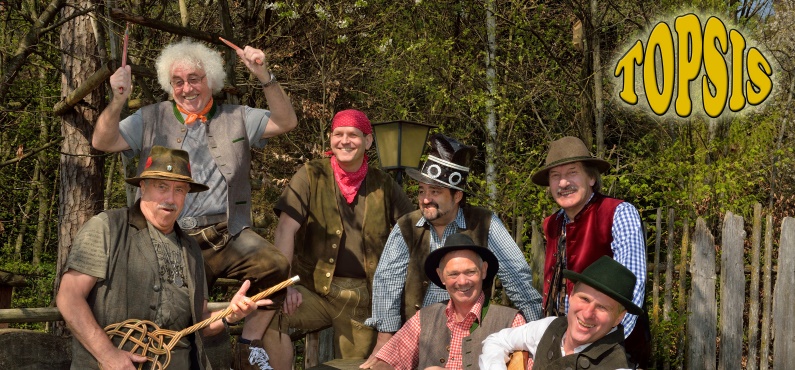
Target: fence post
(537, 255)
(702, 320)
(732, 291)
(784, 299)
(767, 294)
(753, 289)
(655, 310)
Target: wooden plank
(732, 292)
(784, 300)
(753, 290)
(702, 320)
(311, 347)
(537, 255)
(339, 364)
(669, 267)
(682, 298)
(655, 288)
(49, 314)
(767, 294)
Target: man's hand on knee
(292, 300)
(380, 341)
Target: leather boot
(243, 358)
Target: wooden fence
(715, 305)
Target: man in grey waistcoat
(219, 138)
(449, 334)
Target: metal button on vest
(182, 129)
(330, 260)
(425, 283)
(447, 348)
(584, 363)
(156, 288)
(569, 368)
(338, 232)
(179, 140)
(442, 360)
(333, 246)
(328, 274)
(550, 354)
(153, 306)
(325, 288)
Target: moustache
(167, 206)
(432, 204)
(567, 188)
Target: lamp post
(400, 144)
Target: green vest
(317, 241)
(418, 240)
(131, 289)
(606, 353)
(435, 335)
(227, 141)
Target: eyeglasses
(193, 81)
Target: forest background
(506, 76)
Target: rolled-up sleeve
(388, 281)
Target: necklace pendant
(178, 281)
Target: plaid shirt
(390, 275)
(629, 249)
(403, 350)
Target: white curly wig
(190, 53)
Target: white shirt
(498, 347)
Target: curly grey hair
(190, 53)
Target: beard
(431, 212)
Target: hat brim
(433, 259)
(194, 186)
(630, 306)
(541, 177)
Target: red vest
(588, 237)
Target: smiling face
(462, 273)
(162, 202)
(349, 145)
(191, 89)
(439, 205)
(571, 187)
(592, 314)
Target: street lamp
(400, 144)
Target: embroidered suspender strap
(556, 296)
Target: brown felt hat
(568, 149)
(167, 164)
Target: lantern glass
(400, 143)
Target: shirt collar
(474, 311)
(562, 212)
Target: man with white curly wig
(219, 138)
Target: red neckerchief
(192, 117)
(349, 182)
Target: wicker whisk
(155, 344)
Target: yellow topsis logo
(731, 76)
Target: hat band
(164, 174)
(445, 172)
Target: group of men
(370, 263)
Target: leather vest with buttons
(131, 289)
(418, 240)
(317, 241)
(604, 354)
(588, 237)
(435, 336)
(227, 141)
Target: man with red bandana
(334, 219)
(588, 226)
(219, 138)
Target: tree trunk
(599, 107)
(491, 121)
(81, 172)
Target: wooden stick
(237, 48)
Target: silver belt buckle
(187, 223)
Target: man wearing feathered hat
(589, 225)
(334, 217)
(449, 334)
(590, 336)
(400, 288)
(136, 263)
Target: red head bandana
(352, 118)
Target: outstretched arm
(282, 118)
(72, 303)
(629, 249)
(106, 136)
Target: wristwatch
(272, 81)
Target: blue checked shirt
(629, 249)
(390, 275)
